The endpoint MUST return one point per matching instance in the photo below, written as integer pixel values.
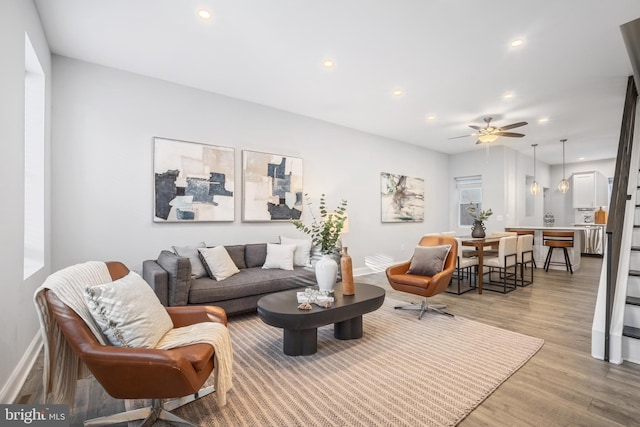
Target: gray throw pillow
(428, 260)
(191, 252)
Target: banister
(617, 205)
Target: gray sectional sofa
(171, 279)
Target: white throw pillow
(191, 252)
(279, 256)
(302, 254)
(218, 262)
(128, 312)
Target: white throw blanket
(212, 333)
(62, 367)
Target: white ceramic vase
(326, 273)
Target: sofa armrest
(179, 277)
(158, 278)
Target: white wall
(17, 311)
(104, 121)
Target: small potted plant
(325, 234)
(479, 216)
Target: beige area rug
(404, 371)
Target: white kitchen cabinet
(589, 190)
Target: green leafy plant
(479, 215)
(325, 229)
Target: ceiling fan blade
(461, 136)
(475, 127)
(513, 125)
(511, 134)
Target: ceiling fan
(490, 133)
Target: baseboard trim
(362, 271)
(12, 387)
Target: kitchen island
(540, 251)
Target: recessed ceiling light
(517, 43)
(543, 120)
(328, 63)
(397, 92)
(431, 117)
(580, 158)
(204, 14)
(507, 96)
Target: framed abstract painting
(272, 187)
(193, 182)
(402, 198)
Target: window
(34, 212)
(469, 193)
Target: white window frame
(469, 193)
(34, 167)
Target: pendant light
(535, 187)
(563, 186)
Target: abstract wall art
(193, 182)
(402, 198)
(272, 187)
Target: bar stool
(558, 239)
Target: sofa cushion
(128, 312)
(236, 252)
(302, 255)
(191, 252)
(250, 281)
(255, 254)
(218, 263)
(279, 256)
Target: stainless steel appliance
(592, 239)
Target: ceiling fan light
(535, 188)
(487, 138)
(563, 186)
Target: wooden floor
(562, 385)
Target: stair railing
(617, 205)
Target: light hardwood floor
(562, 385)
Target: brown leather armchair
(142, 373)
(425, 286)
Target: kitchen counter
(574, 227)
(540, 251)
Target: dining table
(480, 244)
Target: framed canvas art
(402, 198)
(193, 182)
(272, 187)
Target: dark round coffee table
(301, 326)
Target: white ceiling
(452, 58)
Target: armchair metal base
(157, 411)
(424, 307)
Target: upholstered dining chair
(465, 266)
(505, 264)
(136, 373)
(524, 257)
(521, 232)
(427, 273)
